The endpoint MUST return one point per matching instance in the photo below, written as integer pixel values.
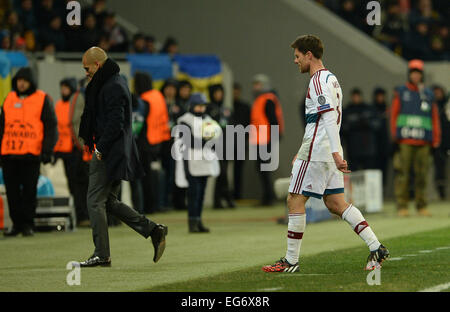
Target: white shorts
(316, 178)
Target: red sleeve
(395, 109)
(436, 126)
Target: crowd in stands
(40, 25)
(411, 28)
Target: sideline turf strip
(240, 239)
(342, 270)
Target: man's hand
(341, 164)
(98, 154)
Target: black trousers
(103, 198)
(77, 173)
(237, 176)
(222, 189)
(21, 178)
(196, 195)
(150, 181)
(268, 195)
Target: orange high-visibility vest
(261, 135)
(63, 114)
(158, 118)
(24, 129)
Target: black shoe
(202, 228)
(27, 231)
(218, 205)
(231, 203)
(96, 261)
(376, 258)
(159, 240)
(13, 232)
(193, 226)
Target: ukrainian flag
(200, 70)
(9, 61)
(5, 77)
(159, 66)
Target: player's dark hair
(307, 43)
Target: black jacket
(107, 118)
(48, 118)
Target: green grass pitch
(231, 256)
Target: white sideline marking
(436, 288)
(411, 255)
(395, 259)
(270, 289)
(440, 248)
(305, 274)
(425, 251)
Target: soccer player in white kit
(319, 166)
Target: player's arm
(326, 105)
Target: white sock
(356, 220)
(296, 227)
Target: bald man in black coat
(106, 130)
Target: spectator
(150, 44)
(100, 11)
(118, 40)
(14, 27)
(90, 33)
(241, 116)
(169, 91)
(68, 112)
(266, 111)
(104, 42)
(170, 46)
(222, 115)
(412, 102)
(154, 133)
(45, 12)
(5, 7)
(417, 42)
(53, 34)
(26, 15)
(183, 95)
(440, 154)
(196, 172)
(74, 40)
(382, 151)
(350, 13)
(21, 155)
(391, 32)
(139, 43)
(360, 127)
(423, 11)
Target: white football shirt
(324, 96)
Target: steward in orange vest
(154, 134)
(266, 111)
(28, 134)
(75, 158)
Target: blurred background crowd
(30, 25)
(410, 28)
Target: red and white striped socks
(296, 227)
(356, 220)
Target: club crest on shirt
(321, 99)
